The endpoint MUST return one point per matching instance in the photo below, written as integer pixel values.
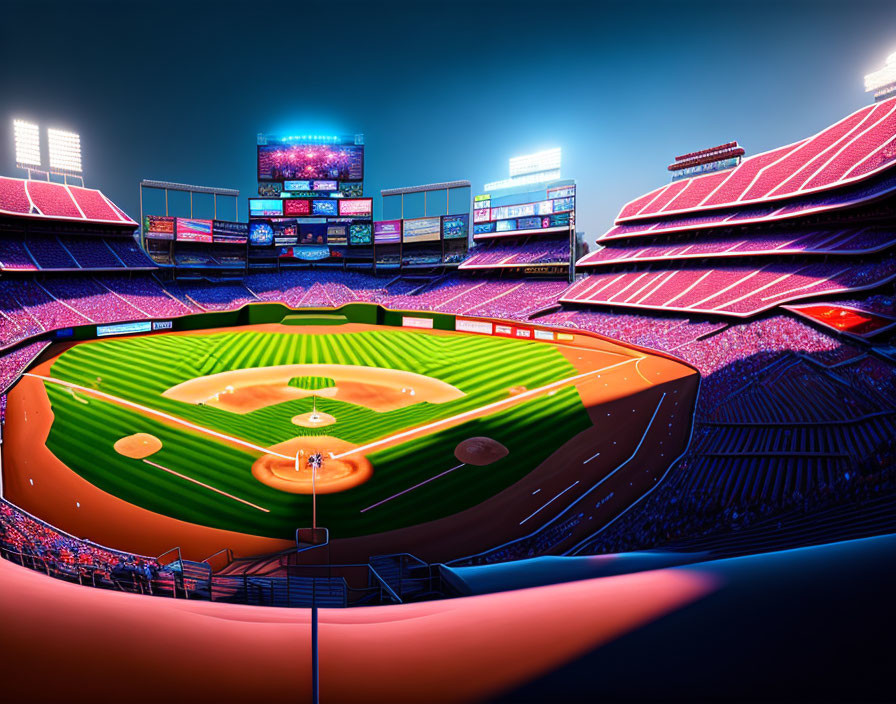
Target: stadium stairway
(409, 577)
(281, 591)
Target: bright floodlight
(65, 151)
(528, 179)
(27, 137)
(547, 160)
(882, 78)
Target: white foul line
(425, 481)
(488, 407)
(207, 486)
(549, 502)
(166, 416)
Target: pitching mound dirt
(313, 420)
(335, 475)
(480, 451)
(515, 390)
(138, 445)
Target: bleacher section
(41, 199)
(497, 254)
(850, 150)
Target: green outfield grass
(140, 369)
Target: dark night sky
(178, 90)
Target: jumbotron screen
(288, 162)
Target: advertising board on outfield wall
(412, 322)
(482, 327)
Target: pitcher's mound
(516, 390)
(279, 471)
(313, 420)
(480, 451)
(138, 445)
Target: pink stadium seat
(52, 199)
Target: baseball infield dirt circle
(317, 419)
(480, 451)
(333, 476)
(138, 445)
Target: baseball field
(142, 370)
(230, 430)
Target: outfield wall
(359, 312)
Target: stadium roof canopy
(425, 188)
(854, 149)
(46, 200)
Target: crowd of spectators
(34, 544)
(536, 251)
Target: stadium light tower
(27, 139)
(529, 169)
(883, 81)
(65, 153)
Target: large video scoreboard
(308, 166)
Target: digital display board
(506, 225)
(481, 215)
(337, 234)
(296, 206)
(530, 223)
(158, 227)
(387, 232)
(225, 231)
(561, 220)
(189, 230)
(561, 192)
(265, 206)
(123, 329)
(326, 186)
(325, 207)
(422, 229)
(514, 211)
(283, 162)
(261, 233)
(357, 207)
(351, 189)
(269, 190)
(297, 186)
(483, 228)
(455, 226)
(562, 204)
(360, 233)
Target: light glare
(27, 138)
(883, 77)
(546, 160)
(65, 151)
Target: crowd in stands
(838, 241)
(46, 200)
(536, 251)
(35, 544)
(48, 252)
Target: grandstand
(772, 276)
